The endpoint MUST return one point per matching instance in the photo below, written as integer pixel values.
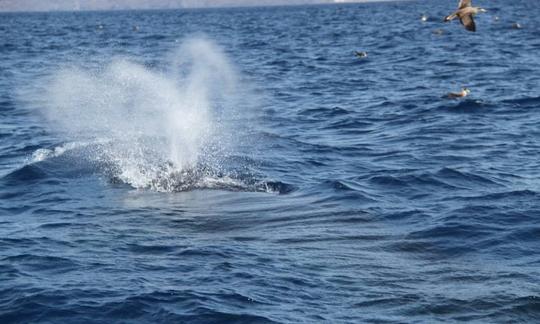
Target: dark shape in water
(438, 32)
(360, 54)
(516, 26)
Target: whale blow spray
(154, 127)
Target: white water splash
(43, 154)
(155, 123)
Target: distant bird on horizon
(465, 14)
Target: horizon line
(188, 7)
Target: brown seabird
(465, 14)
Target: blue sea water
(244, 166)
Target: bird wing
(464, 4)
(468, 22)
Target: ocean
(243, 165)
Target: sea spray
(155, 127)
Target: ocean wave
(461, 178)
(525, 194)
(162, 306)
(467, 106)
(322, 112)
(525, 102)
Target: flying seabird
(465, 14)
(463, 93)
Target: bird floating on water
(465, 14)
(516, 26)
(360, 54)
(424, 18)
(463, 93)
(438, 32)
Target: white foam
(43, 154)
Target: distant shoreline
(188, 7)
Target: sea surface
(244, 166)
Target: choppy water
(242, 165)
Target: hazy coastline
(98, 5)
